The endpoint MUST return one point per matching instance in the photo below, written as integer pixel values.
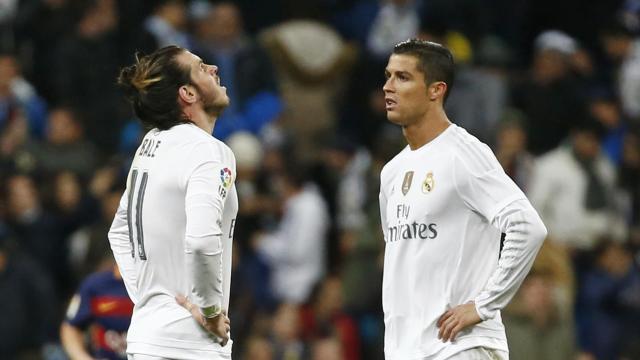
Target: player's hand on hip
(219, 325)
(457, 319)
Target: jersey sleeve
(482, 183)
(486, 189)
(207, 187)
(524, 235)
(122, 247)
(79, 309)
(382, 198)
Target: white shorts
(480, 353)
(149, 357)
(143, 357)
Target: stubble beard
(213, 109)
(209, 103)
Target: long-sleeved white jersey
(172, 235)
(443, 209)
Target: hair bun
(151, 85)
(125, 80)
(136, 79)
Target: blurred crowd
(552, 86)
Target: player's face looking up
(205, 79)
(407, 96)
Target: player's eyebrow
(404, 73)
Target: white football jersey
(437, 206)
(149, 230)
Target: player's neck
(422, 132)
(204, 121)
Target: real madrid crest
(428, 183)
(406, 183)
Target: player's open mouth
(390, 104)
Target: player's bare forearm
(73, 342)
(219, 325)
(457, 319)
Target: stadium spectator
(51, 21)
(90, 245)
(342, 177)
(65, 147)
(37, 232)
(245, 67)
(326, 317)
(511, 148)
(102, 308)
(19, 98)
(85, 67)
(326, 349)
(608, 307)
(629, 177)
(551, 95)
(28, 307)
(604, 107)
(166, 26)
(311, 62)
(286, 336)
(479, 96)
(536, 326)
(623, 49)
(13, 141)
(296, 250)
(574, 188)
(395, 21)
(258, 348)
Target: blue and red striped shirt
(103, 306)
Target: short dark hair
(151, 85)
(434, 60)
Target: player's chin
(223, 101)
(394, 117)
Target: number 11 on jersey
(136, 195)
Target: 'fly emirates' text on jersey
(180, 187)
(437, 206)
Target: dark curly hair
(151, 85)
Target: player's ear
(437, 90)
(187, 93)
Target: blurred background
(552, 86)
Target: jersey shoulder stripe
(475, 155)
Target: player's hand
(457, 319)
(218, 326)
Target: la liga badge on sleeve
(226, 178)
